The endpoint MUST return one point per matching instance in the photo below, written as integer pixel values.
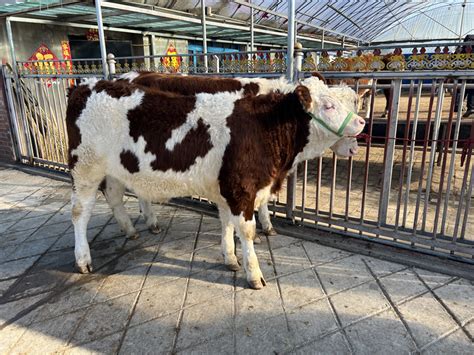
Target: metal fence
(410, 183)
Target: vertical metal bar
(100, 29)
(303, 194)
(461, 196)
(318, 186)
(26, 129)
(333, 185)
(348, 189)
(58, 121)
(405, 143)
(389, 152)
(429, 177)
(154, 51)
(423, 156)
(454, 147)
(18, 140)
(291, 40)
(468, 202)
(204, 33)
(444, 154)
(291, 182)
(252, 35)
(367, 150)
(36, 117)
(412, 150)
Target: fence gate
(410, 183)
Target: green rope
(341, 128)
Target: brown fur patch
(267, 132)
(304, 96)
(116, 89)
(76, 103)
(319, 76)
(129, 161)
(191, 85)
(155, 119)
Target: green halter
(325, 125)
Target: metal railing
(410, 184)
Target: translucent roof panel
(447, 20)
(354, 21)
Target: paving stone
(107, 345)
(290, 258)
(426, 319)
(209, 284)
(22, 311)
(402, 285)
(70, 300)
(51, 230)
(382, 333)
(359, 302)
(154, 337)
(456, 343)
(15, 268)
(105, 318)
(253, 305)
(224, 344)
(433, 279)
(196, 327)
(382, 267)
(332, 344)
(30, 223)
(311, 321)
(159, 301)
(320, 254)
(300, 288)
(458, 297)
(8, 239)
(9, 336)
(49, 336)
(343, 274)
(121, 283)
(36, 247)
(269, 336)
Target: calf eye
(329, 107)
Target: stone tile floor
(169, 293)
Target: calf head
(329, 115)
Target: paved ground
(170, 294)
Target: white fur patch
(130, 76)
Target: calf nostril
(361, 121)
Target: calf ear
(304, 97)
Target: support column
(252, 38)
(100, 25)
(291, 40)
(204, 33)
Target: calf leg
(264, 218)
(246, 231)
(150, 218)
(83, 200)
(114, 192)
(227, 242)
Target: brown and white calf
(225, 147)
(191, 85)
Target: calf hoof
(257, 284)
(233, 267)
(270, 232)
(134, 236)
(84, 269)
(155, 229)
(257, 239)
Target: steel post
(389, 154)
(204, 33)
(100, 29)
